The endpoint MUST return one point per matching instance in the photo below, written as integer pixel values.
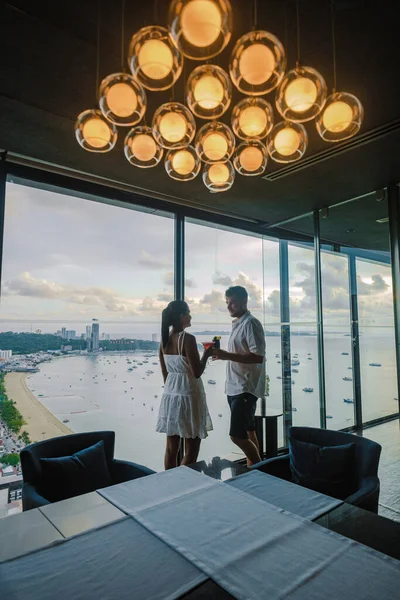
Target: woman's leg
(171, 452)
(192, 448)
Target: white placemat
(120, 561)
(284, 494)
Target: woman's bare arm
(162, 364)
(197, 364)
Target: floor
(388, 435)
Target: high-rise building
(70, 334)
(88, 332)
(95, 336)
(5, 354)
(63, 332)
(154, 337)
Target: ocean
(98, 392)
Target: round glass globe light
(287, 141)
(201, 22)
(218, 173)
(155, 59)
(172, 127)
(215, 146)
(183, 162)
(253, 121)
(337, 117)
(301, 94)
(121, 99)
(96, 132)
(256, 64)
(208, 92)
(144, 147)
(251, 158)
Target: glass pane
(304, 373)
(215, 259)
(355, 248)
(68, 261)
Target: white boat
(211, 381)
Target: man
(245, 372)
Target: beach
(41, 424)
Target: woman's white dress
(183, 409)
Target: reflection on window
(67, 261)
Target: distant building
(66, 348)
(154, 337)
(5, 354)
(38, 331)
(70, 334)
(95, 341)
(88, 332)
(63, 332)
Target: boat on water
(375, 364)
(211, 381)
(344, 354)
(295, 363)
(278, 362)
(278, 377)
(347, 379)
(329, 417)
(348, 400)
(65, 421)
(295, 370)
(308, 389)
(294, 409)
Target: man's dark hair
(238, 291)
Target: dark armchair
(367, 454)
(35, 487)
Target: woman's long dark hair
(171, 317)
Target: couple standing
(183, 411)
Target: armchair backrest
(62, 446)
(367, 452)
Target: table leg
(271, 449)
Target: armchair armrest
(31, 497)
(123, 470)
(367, 496)
(278, 466)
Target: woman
(183, 411)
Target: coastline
(41, 424)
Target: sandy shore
(41, 424)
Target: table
(94, 512)
(267, 430)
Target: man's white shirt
(247, 336)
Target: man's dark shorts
(243, 408)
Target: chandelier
(186, 134)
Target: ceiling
(48, 66)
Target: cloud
(255, 292)
(169, 278)
(378, 285)
(165, 297)
(222, 279)
(190, 283)
(214, 300)
(146, 260)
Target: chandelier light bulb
(257, 63)
(183, 165)
(153, 59)
(94, 133)
(252, 118)
(250, 158)
(141, 149)
(122, 99)
(200, 29)
(287, 142)
(341, 117)
(173, 125)
(209, 92)
(215, 142)
(301, 95)
(219, 177)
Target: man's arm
(248, 358)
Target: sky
(69, 260)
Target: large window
(67, 261)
